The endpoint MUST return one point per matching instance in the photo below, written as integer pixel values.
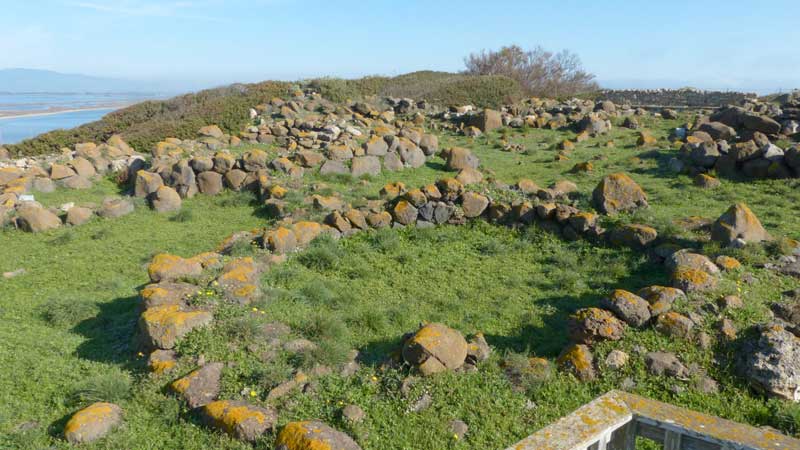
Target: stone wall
(674, 97)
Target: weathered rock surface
(92, 423)
(618, 193)
(435, 348)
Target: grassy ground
(71, 316)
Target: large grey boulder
(771, 362)
(33, 218)
(738, 222)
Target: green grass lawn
(70, 319)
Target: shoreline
(54, 111)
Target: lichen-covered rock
(365, 165)
(33, 218)
(166, 267)
(687, 259)
(92, 423)
(688, 279)
(738, 222)
(404, 213)
(660, 298)
(313, 435)
(199, 387)
(162, 326)
(631, 308)
(146, 183)
(113, 208)
(167, 293)
(633, 235)
(210, 183)
(675, 325)
(665, 364)
(305, 232)
(473, 204)
(459, 158)
(487, 120)
(162, 361)
(771, 362)
(727, 263)
(166, 199)
(356, 218)
(435, 348)
(590, 325)
(618, 193)
(379, 220)
(280, 240)
(578, 360)
(240, 280)
(78, 215)
(239, 419)
(478, 349)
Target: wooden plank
(672, 441)
(704, 427)
(624, 438)
(581, 429)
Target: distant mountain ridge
(41, 81)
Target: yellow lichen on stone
(93, 413)
(228, 415)
(295, 437)
(240, 270)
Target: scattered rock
(665, 364)
(771, 362)
(92, 423)
(166, 199)
(618, 193)
(738, 222)
(458, 428)
(590, 325)
(33, 218)
(312, 435)
(616, 359)
(199, 387)
(629, 307)
(435, 348)
(240, 419)
(578, 360)
(113, 208)
(162, 326)
(353, 414)
(675, 325)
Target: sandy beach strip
(56, 110)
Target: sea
(77, 109)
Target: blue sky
(708, 44)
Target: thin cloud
(176, 10)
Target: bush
(441, 88)
(67, 312)
(144, 124)
(110, 387)
(539, 72)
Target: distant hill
(32, 80)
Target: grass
(73, 312)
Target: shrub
(67, 312)
(144, 124)
(109, 387)
(323, 254)
(540, 72)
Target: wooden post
(624, 438)
(672, 440)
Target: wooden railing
(613, 422)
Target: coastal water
(41, 102)
(17, 129)
(31, 114)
